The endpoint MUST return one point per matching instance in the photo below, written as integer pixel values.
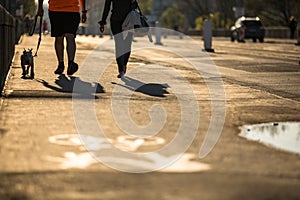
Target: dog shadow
(66, 84)
(150, 89)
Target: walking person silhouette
(64, 19)
(120, 10)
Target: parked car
(248, 27)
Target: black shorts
(64, 22)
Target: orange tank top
(64, 5)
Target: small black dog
(27, 60)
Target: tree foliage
(29, 7)
(273, 12)
(145, 6)
(221, 10)
(172, 18)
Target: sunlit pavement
(42, 156)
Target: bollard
(298, 35)
(207, 36)
(157, 33)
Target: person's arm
(134, 5)
(83, 11)
(40, 11)
(105, 12)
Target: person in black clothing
(120, 10)
(27, 23)
(293, 27)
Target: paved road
(41, 151)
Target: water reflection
(284, 136)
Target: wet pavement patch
(283, 136)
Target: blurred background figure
(293, 27)
(45, 27)
(27, 23)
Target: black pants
(122, 46)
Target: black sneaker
(121, 74)
(60, 69)
(72, 68)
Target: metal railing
(10, 32)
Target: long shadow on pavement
(151, 89)
(66, 85)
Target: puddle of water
(284, 136)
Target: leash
(40, 32)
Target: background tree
(29, 7)
(200, 9)
(273, 12)
(193, 9)
(172, 18)
(226, 14)
(146, 6)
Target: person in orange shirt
(64, 19)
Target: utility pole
(158, 32)
(160, 9)
(239, 9)
(211, 6)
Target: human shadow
(73, 85)
(151, 89)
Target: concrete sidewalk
(36, 109)
(42, 156)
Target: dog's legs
(23, 66)
(24, 71)
(32, 71)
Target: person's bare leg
(59, 49)
(71, 50)
(71, 46)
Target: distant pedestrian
(27, 23)
(45, 27)
(293, 27)
(120, 10)
(64, 19)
